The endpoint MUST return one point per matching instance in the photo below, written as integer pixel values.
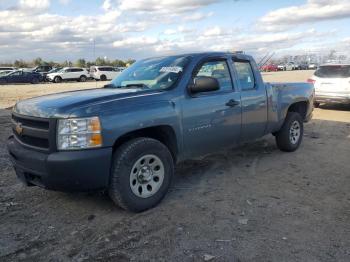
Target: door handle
(232, 103)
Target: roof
(335, 64)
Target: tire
(133, 168)
(57, 79)
(316, 104)
(35, 81)
(82, 79)
(289, 137)
(103, 78)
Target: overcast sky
(67, 29)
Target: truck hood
(63, 104)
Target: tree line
(20, 63)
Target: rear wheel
(289, 137)
(141, 174)
(103, 78)
(57, 79)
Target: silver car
(332, 84)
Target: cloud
(312, 11)
(64, 2)
(175, 6)
(197, 16)
(34, 4)
(107, 5)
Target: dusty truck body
(127, 137)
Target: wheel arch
(163, 133)
(299, 107)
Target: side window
(68, 70)
(245, 74)
(18, 73)
(218, 70)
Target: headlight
(79, 133)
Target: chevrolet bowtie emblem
(19, 128)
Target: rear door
(253, 99)
(78, 72)
(212, 120)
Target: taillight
(311, 81)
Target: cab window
(218, 70)
(245, 75)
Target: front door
(212, 120)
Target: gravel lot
(253, 203)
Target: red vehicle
(269, 68)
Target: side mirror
(204, 84)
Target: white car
(68, 73)
(103, 73)
(312, 66)
(7, 68)
(332, 84)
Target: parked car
(312, 66)
(281, 67)
(42, 70)
(119, 68)
(55, 69)
(20, 76)
(332, 84)
(103, 73)
(68, 73)
(303, 66)
(128, 136)
(5, 72)
(7, 68)
(269, 68)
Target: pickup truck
(126, 137)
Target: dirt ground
(254, 203)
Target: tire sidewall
(123, 163)
(57, 79)
(283, 137)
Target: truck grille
(32, 131)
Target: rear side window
(335, 71)
(76, 70)
(218, 70)
(105, 68)
(245, 75)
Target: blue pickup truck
(126, 137)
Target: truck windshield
(333, 71)
(152, 73)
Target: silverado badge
(19, 128)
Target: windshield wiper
(137, 85)
(141, 85)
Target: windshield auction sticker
(170, 69)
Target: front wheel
(57, 79)
(289, 137)
(35, 81)
(141, 174)
(82, 79)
